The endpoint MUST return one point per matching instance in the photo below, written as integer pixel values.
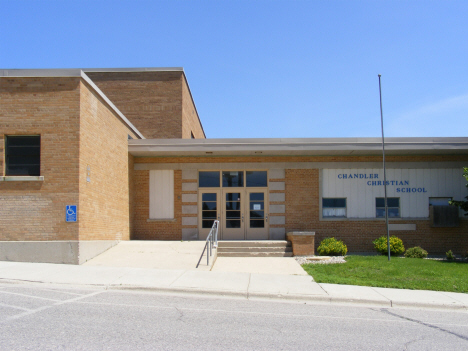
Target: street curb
(319, 299)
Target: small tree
(462, 204)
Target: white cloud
(448, 117)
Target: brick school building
(94, 156)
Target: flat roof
(298, 147)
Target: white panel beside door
(161, 201)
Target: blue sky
(269, 69)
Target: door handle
(242, 218)
(266, 218)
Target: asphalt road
(46, 317)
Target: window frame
(244, 178)
(326, 207)
(388, 207)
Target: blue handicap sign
(70, 213)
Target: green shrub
(416, 252)
(449, 254)
(332, 247)
(396, 245)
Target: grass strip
(401, 273)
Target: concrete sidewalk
(247, 285)
(154, 254)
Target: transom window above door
(232, 179)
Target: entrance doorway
(242, 212)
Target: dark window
(256, 178)
(334, 203)
(209, 209)
(208, 179)
(23, 155)
(334, 207)
(233, 179)
(393, 205)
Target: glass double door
(243, 213)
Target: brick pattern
(104, 201)
(77, 129)
(157, 103)
(49, 107)
(190, 120)
(155, 230)
(302, 245)
(302, 214)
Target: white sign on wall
(414, 187)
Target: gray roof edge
(112, 106)
(462, 141)
(76, 72)
(69, 72)
(135, 69)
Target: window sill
(161, 220)
(22, 179)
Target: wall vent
(444, 216)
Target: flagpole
(384, 172)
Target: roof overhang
(297, 147)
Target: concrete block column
(189, 204)
(276, 186)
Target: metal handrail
(211, 242)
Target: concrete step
(254, 249)
(255, 254)
(247, 248)
(248, 243)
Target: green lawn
(402, 273)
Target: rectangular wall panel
(161, 194)
(414, 187)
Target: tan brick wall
(302, 214)
(104, 201)
(49, 107)
(155, 230)
(152, 101)
(302, 204)
(190, 120)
